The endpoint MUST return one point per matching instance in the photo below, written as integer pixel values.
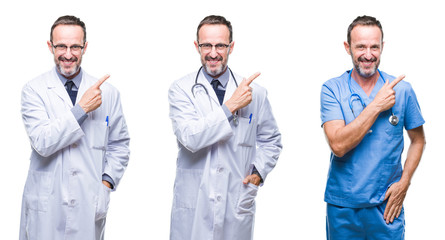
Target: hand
(92, 98)
(386, 97)
(242, 95)
(107, 184)
(395, 195)
(254, 179)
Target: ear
(50, 46)
(196, 46)
(84, 48)
(347, 47)
(383, 44)
(231, 47)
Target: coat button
(74, 145)
(220, 170)
(219, 198)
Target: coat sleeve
(192, 130)
(47, 134)
(268, 140)
(117, 152)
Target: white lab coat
(210, 200)
(64, 197)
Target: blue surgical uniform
(361, 177)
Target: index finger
(397, 80)
(102, 80)
(251, 78)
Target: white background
(297, 45)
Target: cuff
(79, 114)
(107, 178)
(228, 113)
(255, 171)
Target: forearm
(50, 135)
(268, 141)
(118, 147)
(414, 155)
(343, 138)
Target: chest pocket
(393, 130)
(246, 131)
(98, 135)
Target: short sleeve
(330, 108)
(413, 114)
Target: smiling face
(67, 60)
(214, 60)
(365, 49)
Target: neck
(366, 83)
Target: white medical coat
(64, 197)
(210, 200)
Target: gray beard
(365, 75)
(216, 72)
(68, 74)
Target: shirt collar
(76, 80)
(223, 79)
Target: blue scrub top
(361, 177)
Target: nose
(369, 54)
(213, 52)
(68, 54)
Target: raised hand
(92, 98)
(386, 97)
(242, 95)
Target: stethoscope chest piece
(393, 119)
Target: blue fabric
(219, 93)
(361, 177)
(73, 94)
(223, 79)
(107, 178)
(362, 224)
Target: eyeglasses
(207, 47)
(63, 48)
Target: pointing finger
(102, 80)
(397, 80)
(251, 78)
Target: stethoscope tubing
(202, 85)
(393, 119)
(235, 117)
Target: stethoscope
(393, 119)
(197, 84)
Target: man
(228, 142)
(363, 114)
(80, 143)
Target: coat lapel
(55, 85)
(84, 85)
(231, 87)
(203, 80)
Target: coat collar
(55, 84)
(230, 86)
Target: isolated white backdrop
(297, 45)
